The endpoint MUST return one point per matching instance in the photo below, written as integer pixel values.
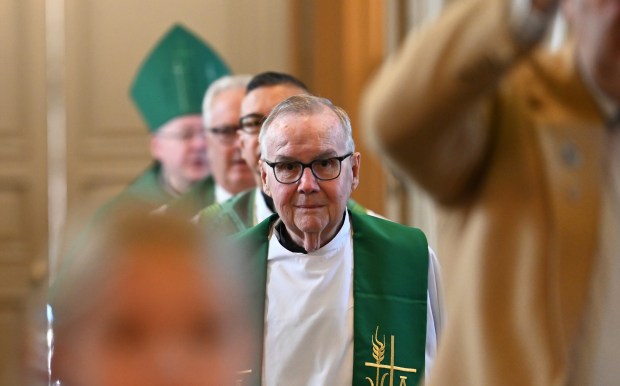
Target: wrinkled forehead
(318, 133)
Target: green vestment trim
(390, 286)
(390, 283)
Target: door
(69, 135)
(23, 176)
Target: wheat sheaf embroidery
(378, 353)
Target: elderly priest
(345, 298)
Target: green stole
(238, 213)
(390, 283)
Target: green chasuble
(146, 193)
(390, 282)
(199, 196)
(147, 190)
(237, 213)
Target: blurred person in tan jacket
(517, 147)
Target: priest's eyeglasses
(226, 134)
(324, 169)
(251, 123)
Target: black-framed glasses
(251, 123)
(226, 133)
(323, 169)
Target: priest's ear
(155, 147)
(356, 161)
(263, 177)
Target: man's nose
(308, 182)
(199, 139)
(237, 140)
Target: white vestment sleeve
(435, 313)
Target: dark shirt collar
(285, 239)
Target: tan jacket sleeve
(427, 108)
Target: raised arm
(428, 108)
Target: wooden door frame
(337, 45)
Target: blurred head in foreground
(144, 304)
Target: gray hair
(307, 105)
(225, 83)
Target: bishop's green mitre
(174, 77)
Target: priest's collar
(285, 239)
(221, 194)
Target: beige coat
(508, 142)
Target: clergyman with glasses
(343, 298)
(251, 207)
(230, 174)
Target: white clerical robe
(308, 337)
(221, 194)
(261, 210)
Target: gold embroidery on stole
(378, 353)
